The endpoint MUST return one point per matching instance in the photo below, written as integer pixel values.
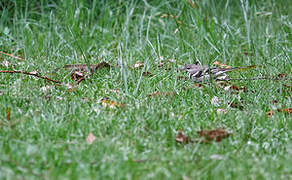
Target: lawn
(122, 122)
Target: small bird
(199, 73)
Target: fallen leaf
(180, 138)
(193, 5)
(198, 85)
(148, 74)
(236, 105)
(164, 15)
(285, 110)
(70, 88)
(270, 113)
(234, 88)
(138, 65)
(90, 138)
(76, 75)
(248, 54)
(182, 78)
(221, 111)
(217, 63)
(211, 135)
(281, 75)
(111, 104)
(7, 113)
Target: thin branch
(31, 74)
(10, 55)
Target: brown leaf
(192, 3)
(164, 15)
(287, 110)
(248, 54)
(211, 135)
(270, 113)
(198, 85)
(76, 75)
(7, 113)
(236, 105)
(90, 138)
(70, 88)
(217, 63)
(282, 75)
(148, 74)
(221, 111)
(111, 104)
(236, 89)
(138, 65)
(180, 138)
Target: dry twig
(31, 74)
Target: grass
(45, 137)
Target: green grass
(45, 137)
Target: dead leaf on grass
(138, 65)
(90, 138)
(248, 54)
(70, 87)
(181, 138)
(217, 63)
(198, 85)
(8, 114)
(207, 136)
(148, 74)
(270, 113)
(235, 89)
(285, 110)
(236, 105)
(111, 104)
(192, 3)
(221, 111)
(282, 75)
(76, 75)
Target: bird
(200, 73)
